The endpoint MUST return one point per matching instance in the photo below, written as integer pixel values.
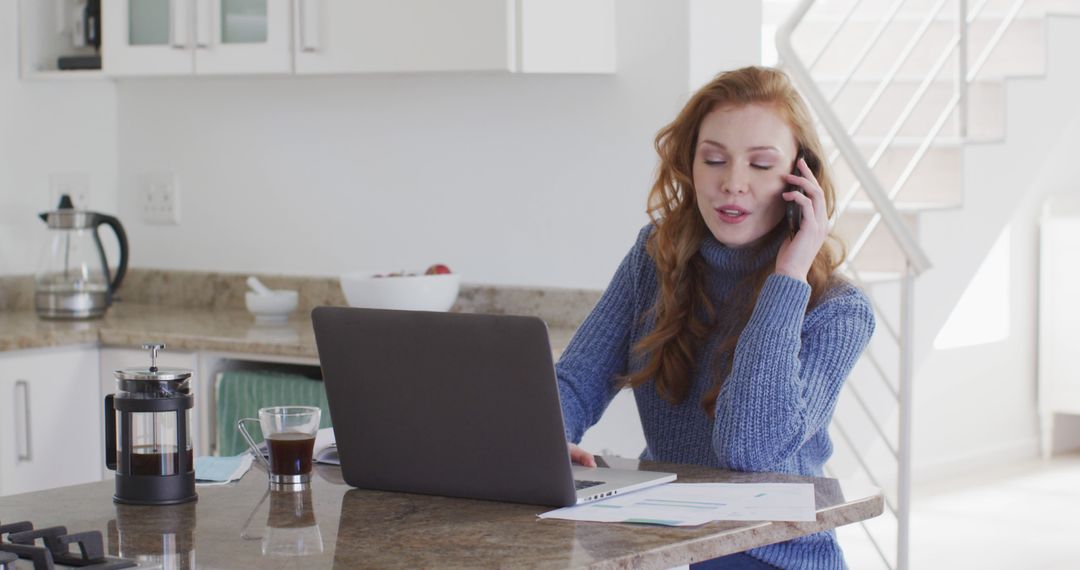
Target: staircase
(913, 149)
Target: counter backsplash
(16, 292)
(203, 290)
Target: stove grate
(22, 541)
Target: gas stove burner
(22, 540)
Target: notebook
(453, 404)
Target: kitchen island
(331, 525)
(201, 319)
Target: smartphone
(793, 211)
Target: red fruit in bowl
(437, 269)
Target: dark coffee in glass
(156, 460)
(290, 453)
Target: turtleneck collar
(743, 260)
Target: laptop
(453, 404)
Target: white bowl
(272, 308)
(407, 293)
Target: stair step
(863, 206)
(778, 10)
(1020, 50)
(831, 80)
(875, 277)
(875, 78)
(950, 141)
(936, 179)
(880, 253)
(985, 107)
(947, 14)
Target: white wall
(533, 180)
(723, 35)
(47, 127)
(975, 405)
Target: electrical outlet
(159, 198)
(74, 184)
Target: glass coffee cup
(289, 434)
(291, 528)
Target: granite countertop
(201, 311)
(243, 525)
(181, 328)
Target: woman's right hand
(580, 456)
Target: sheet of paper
(328, 456)
(221, 470)
(691, 504)
(326, 447)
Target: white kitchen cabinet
(228, 37)
(178, 37)
(566, 36)
(51, 409)
(358, 36)
(1059, 313)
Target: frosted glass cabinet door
(146, 37)
(175, 37)
(242, 36)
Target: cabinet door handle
(310, 21)
(24, 453)
(178, 24)
(204, 23)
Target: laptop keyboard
(580, 484)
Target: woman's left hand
(797, 253)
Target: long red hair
(684, 313)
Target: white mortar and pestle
(270, 306)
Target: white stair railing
(916, 261)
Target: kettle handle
(110, 433)
(121, 236)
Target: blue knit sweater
(773, 410)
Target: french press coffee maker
(151, 452)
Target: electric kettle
(73, 279)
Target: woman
(735, 333)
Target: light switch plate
(159, 198)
